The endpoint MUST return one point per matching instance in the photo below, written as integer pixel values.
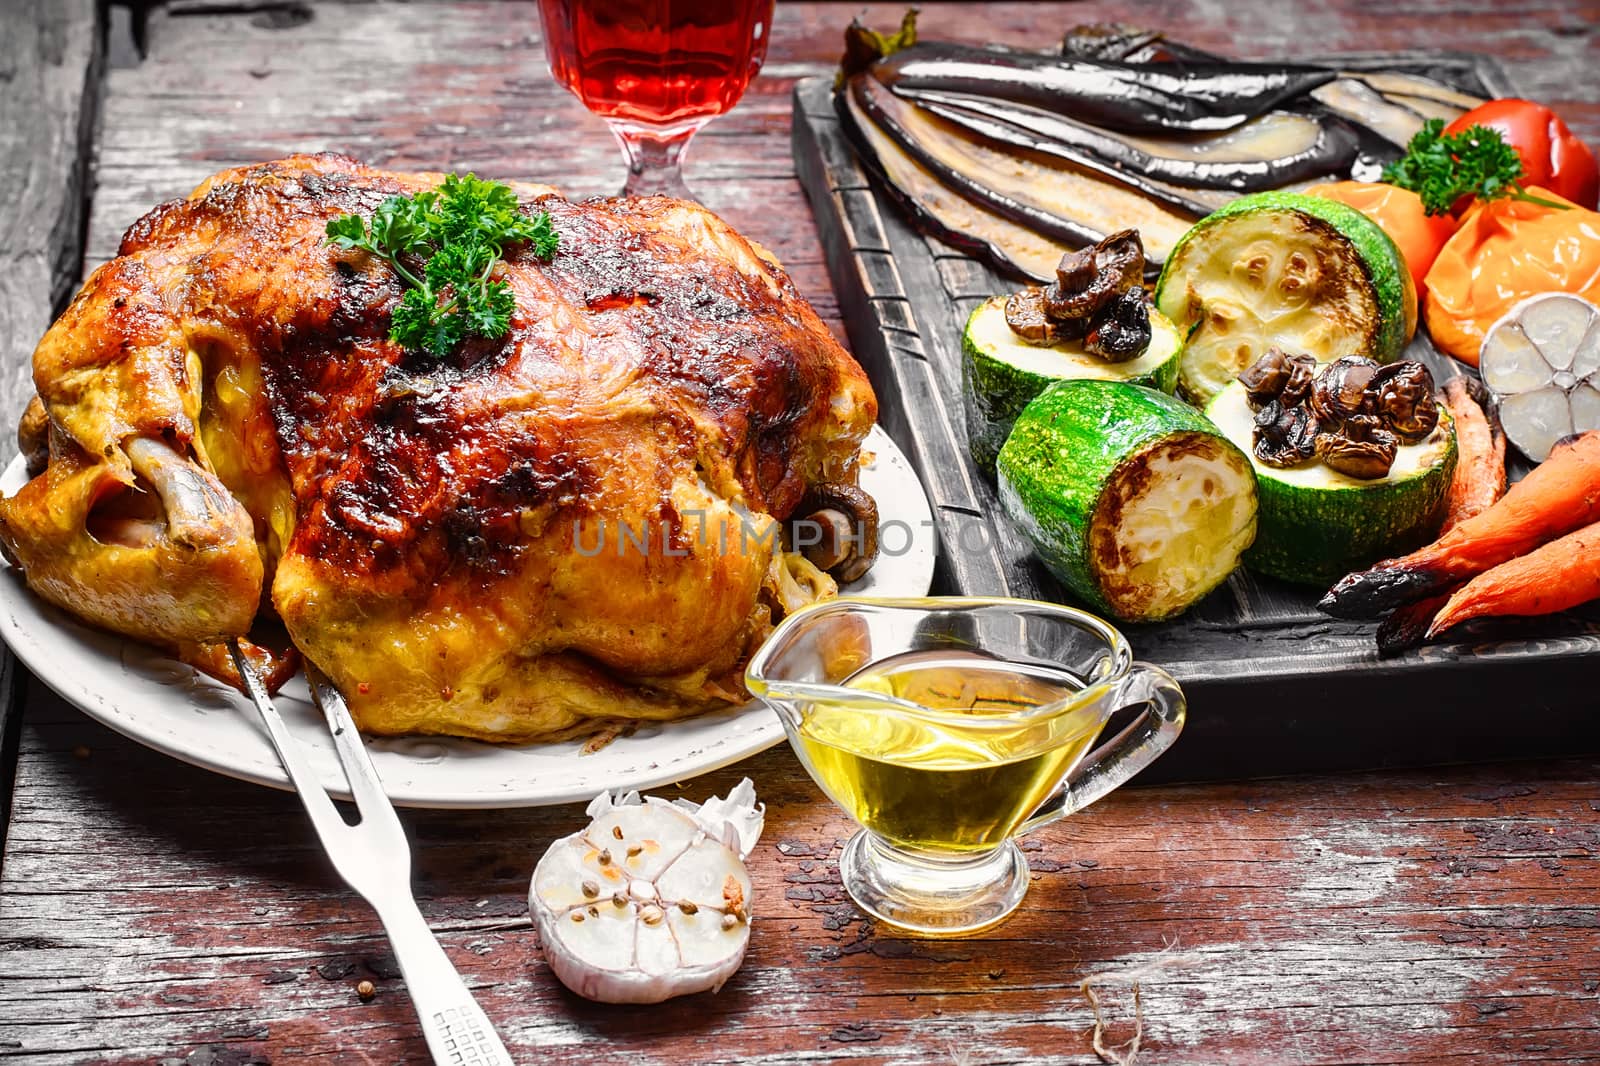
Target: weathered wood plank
(153, 912)
(460, 86)
(50, 63)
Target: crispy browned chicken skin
(458, 543)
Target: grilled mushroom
(1089, 279)
(1025, 314)
(1120, 330)
(838, 530)
(1277, 375)
(1404, 400)
(1284, 435)
(1361, 448)
(1340, 390)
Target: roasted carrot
(1407, 626)
(1560, 495)
(1561, 574)
(1479, 480)
(1480, 477)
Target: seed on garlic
(679, 919)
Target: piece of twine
(1127, 1052)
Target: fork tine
(325, 818)
(365, 786)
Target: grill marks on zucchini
(1282, 270)
(1131, 498)
(1273, 281)
(1168, 526)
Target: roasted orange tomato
(1507, 250)
(1398, 212)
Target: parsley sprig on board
(457, 233)
(1442, 167)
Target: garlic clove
(703, 878)
(643, 839)
(657, 952)
(1512, 363)
(702, 938)
(1534, 421)
(1585, 400)
(574, 939)
(1586, 356)
(561, 876)
(1555, 327)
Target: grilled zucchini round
(1132, 498)
(1002, 372)
(1283, 270)
(1317, 524)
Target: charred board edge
(54, 55)
(13, 697)
(1256, 660)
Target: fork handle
(458, 1032)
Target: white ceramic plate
(159, 702)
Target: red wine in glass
(656, 71)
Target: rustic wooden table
(153, 912)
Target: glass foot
(929, 896)
(655, 157)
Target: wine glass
(656, 71)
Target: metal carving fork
(374, 859)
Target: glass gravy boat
(946, 727)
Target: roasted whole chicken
(542, 536)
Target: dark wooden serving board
(1274, 685)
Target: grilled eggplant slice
(1074, 203)
(1015, 138)
(1267, 152)
(1112, 43)
(1137, 99)
(1417, 87)
(1115, 42)
(943, 212)
(1426, 107)
(1360, 103)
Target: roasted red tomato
(1552, 156)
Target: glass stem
(655, 160)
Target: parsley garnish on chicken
(458, 233)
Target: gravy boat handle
(1113, 762)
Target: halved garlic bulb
(1542, 362)
(652, 900)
